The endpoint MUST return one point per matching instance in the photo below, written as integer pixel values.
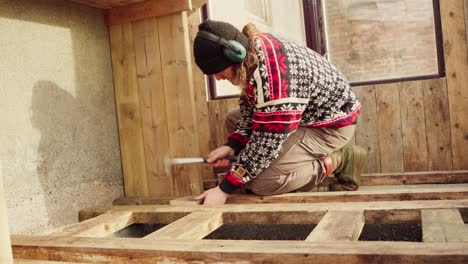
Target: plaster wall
(59, 139)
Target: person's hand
(213, 196)
(216, 157)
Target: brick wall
(372, 39)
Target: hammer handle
(230, 158)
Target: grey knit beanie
(209, 55)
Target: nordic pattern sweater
(292, 86)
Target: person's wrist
(225, 194)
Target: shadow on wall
(54, 114)
(78, 157)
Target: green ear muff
(236, 54)
(233, 50)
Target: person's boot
(347, 165)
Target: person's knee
(231, 119)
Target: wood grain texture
(201, 99)
(128, 110)
(436, 110)
(456, 64)
(152, 107)
(106, 4)
(427, 177)
(145, 9)
(100, 226)
(132, 250)
(180, 106)
(338, 226)
(413, 126)
(193, 226)
(280, 207)
(443, 226)
(365, 193)
(389, 128)
(367, 128)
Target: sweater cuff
(235, 145)
(227, 187)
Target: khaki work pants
(300, 161)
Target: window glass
(381, 39)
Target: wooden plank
(412, 125)
(99, 226)
(186, 200)
(389, 128)
(443, 226)
(367, 129)
(142, 200)
(132, 250)
(180, 106)
(338, 226)
(153, 107)
(106, 4)
(424, 192)
(128, 110)
(200, 97)
(415, 178)
(281, 207)
(145, 9)
(436, 109)
(456, 65)
(193, 226)
(347, 196)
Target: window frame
(317, 41)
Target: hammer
(169, 162)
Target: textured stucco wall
(59, 139)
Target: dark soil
(391, 232)
(138, 230)
(262, 232)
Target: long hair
(243, 71)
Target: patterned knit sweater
(292, 86)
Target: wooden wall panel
(145, 9)
(367, 129)
(389, 128)
(179, 96)
(439, 148)
(153, 107)
(128, 110)
(413, 126)
(456, 62)
(201, 100)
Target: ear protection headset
(233, 50)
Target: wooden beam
(439, 193)
(99, 226)
(146, 9)
(152, 107)
(443, 226)
(437, 116)
(128, 110)
(281, 207)
(125, 250)
(412, 118)
(460, 176)
(338, 226)
(367, 128)
(193, 226)
(456, 65)
(389, 128)
(180, 103)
